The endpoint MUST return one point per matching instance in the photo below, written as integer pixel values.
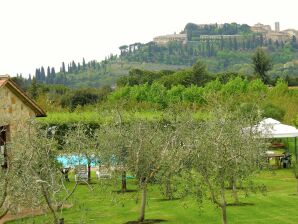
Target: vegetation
(183, 136)
(277, 204)
(262, 64)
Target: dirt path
(22, 214)
(26, 213)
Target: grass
(279, 205)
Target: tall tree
(84, 64)
(199, 74)
(226, 147)
(48, 71)
(33, 89)
(63, 68)
(262, 64)
(42, 74)
(37, 75)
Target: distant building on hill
(277, 29)
(210, 24)
(162, 40)
(259, 28)
(219, 37)
(274, 35)
(291, 32)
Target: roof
(2, 81)
(270, 128)
(5, 80)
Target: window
(3, 149)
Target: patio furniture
(277, 145)
(65, 171)
(103, 172)
(270, 128)
(81, 173)
(276, 157)
(286, 160)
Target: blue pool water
(73, 160)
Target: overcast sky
(38, 33)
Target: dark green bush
(273, 111)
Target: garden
(179, 155)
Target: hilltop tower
(277, 29)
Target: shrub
(257, 86)
(194, 94)
(235, 86)
(174, 95)
(280, 88)
(121, 93)
(273, 111)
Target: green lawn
(279, 205)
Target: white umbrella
(270, 128)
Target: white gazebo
(270, 128)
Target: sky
(35, 33)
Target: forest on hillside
(231, 54)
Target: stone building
(16, 108)
(260, 28)
(219, 37)
(276, 34)
(163, 40)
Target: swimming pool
(73, 160)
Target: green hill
(223, 48)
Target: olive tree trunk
(123, 188)
(235, 192)
(143, 202)
(89, 171)
(297, 186)
(223, 206)
(224, 218)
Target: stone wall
(13, 111)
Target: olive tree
(295, 170)
(225, 147)
(43, 176)
(14, 187)
(147, 145)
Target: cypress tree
(63, 67)
(48, 78)
(53, 75)
(42, 74)
(262, 64)
(48, 71)
(33, 89)
(37, 75)
(84, 64)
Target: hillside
(222, 47)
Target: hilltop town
(267, 33)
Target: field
(278, 205)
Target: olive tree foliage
(295, 171)
(141, 148)
(82, 140)
(43, 178)
(226, 148)
(13, 174)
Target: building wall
(278, 36)
(162, 40)
(13, 112)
